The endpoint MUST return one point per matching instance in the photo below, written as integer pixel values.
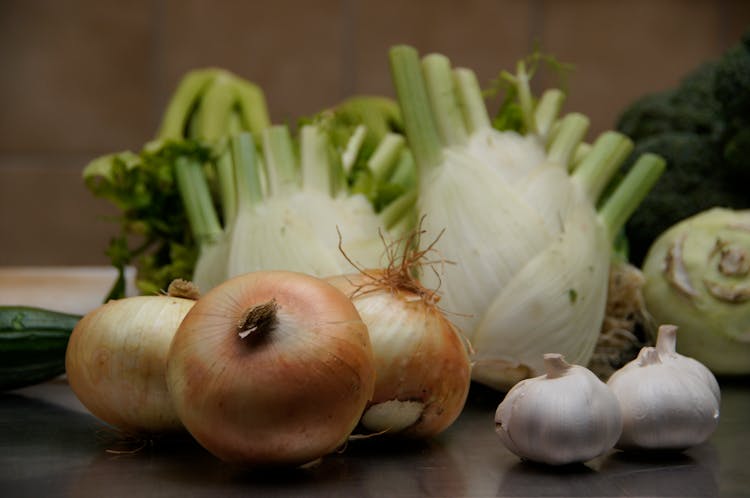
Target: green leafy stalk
(211, 103)
(281, 162)
(384, 160)
(547, 110)
(580, 153)
(196, 197)
(471, 100)
(253, 109)
(522, 85)
(184, 102)
(216, 109)
(398, 210)
(420, 125)
(405, 172)
(246, 171)
(225, 177)
(353, 148)
(443, 100)
(601, 162)
(573, 128)
(314, 160)
(629, 193)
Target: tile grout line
(724, 40)
(536, 23)
(536, 37)
(158, 61)
(348, 78)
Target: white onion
(116, 361)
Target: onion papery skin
(419, 355)
(116, 362)
(285, 397)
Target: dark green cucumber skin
(32, 344)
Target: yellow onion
(422, 365)
(271, 368)
(116, 360)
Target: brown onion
(271, 368)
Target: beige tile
(622, 50)
(484, 35)
(76, 75)
(47, 217)
(84, 76)
(292, 49)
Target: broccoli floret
(732, 84)
(732, 90)
(691, 107)
(702, 129)
(737, 155)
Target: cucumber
(32, 344)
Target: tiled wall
(79, 78)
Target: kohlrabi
(698, 278)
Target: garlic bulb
(566, 416)
(668, 401)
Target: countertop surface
(51, 446)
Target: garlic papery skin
(665, 405)
(565, 416)
(116, 362)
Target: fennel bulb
(531, 251)
(289, 213)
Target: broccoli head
(702, 129)
(732, 83)
(691, 107)
(737, 155)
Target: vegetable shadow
(42, 445)
(663, 473)
(527, 478)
